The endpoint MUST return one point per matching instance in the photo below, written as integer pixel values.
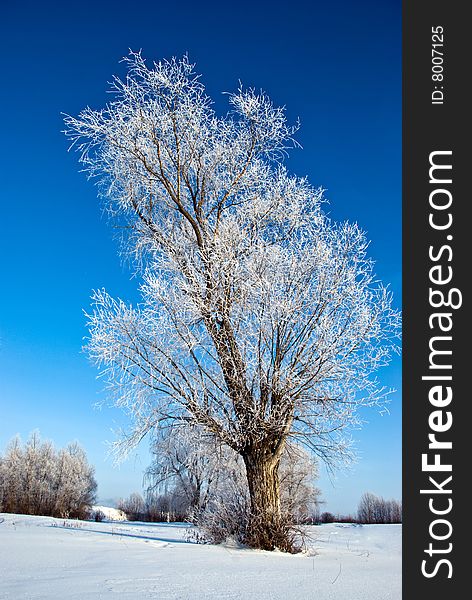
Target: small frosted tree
(134, 507)
(188, 463)
(11, 477)
(297, 473)
(76, 485)
(261, 319)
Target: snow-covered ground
(56, 559)
(109, 513)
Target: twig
(336, 578)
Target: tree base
(273, 535)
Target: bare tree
(396, 511)
(367, 508)
(375, 509)
(261, 319)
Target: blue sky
(336, 66)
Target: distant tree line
(375, 509)
(372, 509)
(37, 479)
(154, 508)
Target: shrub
(98, 516)
(327, 517)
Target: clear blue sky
(335, 65)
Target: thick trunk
(265, 523)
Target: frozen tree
(38, 475)
(261, 319)
(38, 480)
(134, 507)
(76, 485)
(297, 474)
(190, 465)
(11, 467)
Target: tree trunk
(265, 527)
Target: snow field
(53, 559)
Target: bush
(98, 516)
(327, 517)
(228, 519)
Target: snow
(110, 514)
(46, 558)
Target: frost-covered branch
(260, 318)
